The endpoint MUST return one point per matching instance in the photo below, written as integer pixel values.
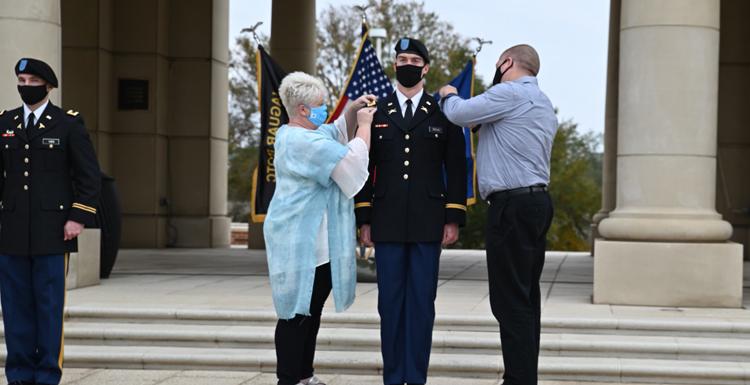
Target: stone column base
(83, 266)
(205, 232)
(668, 274)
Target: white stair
(605, 350)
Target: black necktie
(409, 113)
(30, 122)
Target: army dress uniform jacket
(50, 174)
(417, 180)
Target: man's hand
(449, 89)
(364, 236)
(450, 234)
(72, 230)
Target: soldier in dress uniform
(50, 188)
(413, 202)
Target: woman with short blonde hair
(310, 228)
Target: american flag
(367, 77)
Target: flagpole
(363, 10)
(252, 30)
(481, 43)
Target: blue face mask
(318, 115)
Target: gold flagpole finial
(481, 43)
(252, 30)
(363, 10)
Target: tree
(575, 179)
(575, 187)
(243, 126)
(339, 33)
(338, 39)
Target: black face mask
(409, 75)
(499, 74)
(32, 94)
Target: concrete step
(713, 328)
(449, 342)
(450, 365)
(462, 342)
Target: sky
(570, 36)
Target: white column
(294, 48)
(665, 242)
(29, 28)
(609, 163)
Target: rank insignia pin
(41, 125)
(392, 111)
(423, 108)
(427, 102)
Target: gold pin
(19, 126)
(372, 103)
(423, 108)
(41, 125)
(72, 113)
(393, 111)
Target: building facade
(676, 197)
(150, 78)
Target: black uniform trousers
(516, 233)
(32, 289)
(295, 338)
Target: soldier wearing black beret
(413, 202)
(50, 188)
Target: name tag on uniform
(435, 130)
(9, 134)
(51, 141)
(381, 125)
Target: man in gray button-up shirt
(518, 125)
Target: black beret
(38, 68)
(414, 46)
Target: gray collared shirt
(515, 140)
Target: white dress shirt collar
(37, 113)
(414, 100)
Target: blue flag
(464, 83)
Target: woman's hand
(364, 101)
(364, 116)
